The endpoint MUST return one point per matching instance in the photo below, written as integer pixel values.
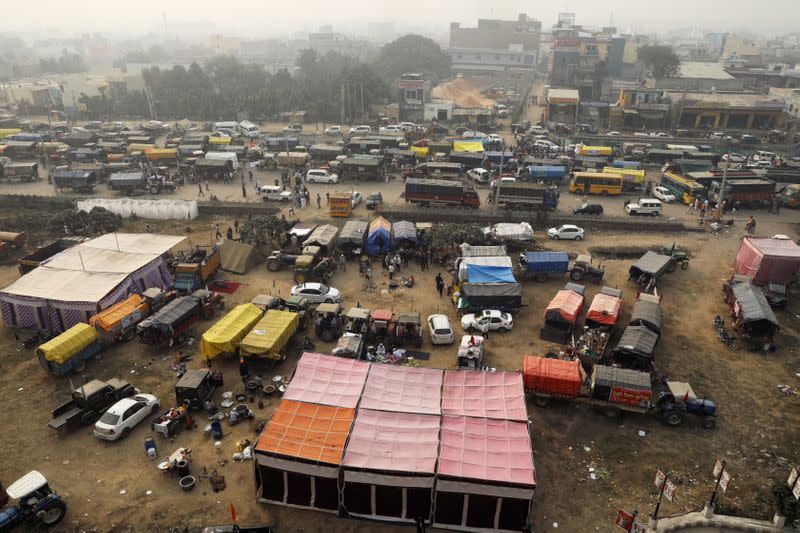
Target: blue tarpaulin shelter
(489, 274)
(379, 236)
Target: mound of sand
(463, 92)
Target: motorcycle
(727, 338)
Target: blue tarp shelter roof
(379, 236)
(489, 274)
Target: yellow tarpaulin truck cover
(139, 147)
(596, 150)
(69, 343)
(8, 132)
(419, 151)
(271, 334)
(219, 140)
(112, 317)
(225, 335)
(155, 154)
(467, 146)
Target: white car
(613, 133)
(544, 143)
(318, 175)
(537, 130)
(361, 129)
(566, 232)
(663, 194)
(118, 421)
(734, 158)
(391, 128)
(356, 199)
(658, 134)
(761, 164)
(333, 130)
(495, 137)
(440, 329)
(408, 126)
(470, 134)
(317, 293)
(479, 175)
(487, 320)
(640, 134)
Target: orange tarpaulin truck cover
(605, 309)
(552, 376)
(109, 318)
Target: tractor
(35, 500)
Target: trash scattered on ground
(787, 390)
(642, 433)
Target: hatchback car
(318, 175)
(566, 232)
(374, 200)
(294, 127)
(479, 175)
(317, 292)
(118, 421)
(663, 194)
(356, 198)
(588, 209)
(487, 320)
(734, 158)
(333, 130)
(440, 329)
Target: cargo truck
(340, 204)
(69, 351)
(89, 402)
(77, 180)
(190, 276)
(118, 322)
(270, 336)
(426, 192)
(513, 195)
(130, 182)
(545, 173)
(744, 192)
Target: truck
(542, 266)
(118, 322)
(361, 168)
(475, 297)
(212, 168)
(614, 391)
(292, 159)
(88, 402)
(69, 351)
(80, 181)
(525, 196)
(744, 192)
(193, 274)
(546, 173)
(130, 182)
(467, 160)
(427, 192)
(168, 326)
(20, 171)
(271, 335)
(224, 156)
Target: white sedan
(663, 194)
(333, 130)
(317, 293)
(488, 320)
(566, 232)
(119, 420)
(357, 198)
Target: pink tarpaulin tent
(403, 389)
(389, 466)
(486, 477)
(328, 380)
(764, 259)
(484, 394)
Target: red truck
(426, 192)
(744, 192)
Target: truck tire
(709, 422)
(273, 266)
(673, 418)
(576, 275)
(79, 367)
(611, 411)
(53, 514)
(684, 265)
(671, 266)
(129, 335)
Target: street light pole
(724, 181)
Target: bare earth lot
(757, 431)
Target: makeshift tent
(155, 209)
(237, 256)
(497, 395)
(552, 376)
(490, 274)
(764, 259)
(647, 313)
(405, 233)
(75, 284)
(61, 348)
(270, 334)
(752, 313)
(403, 389)
(604, 311)
(328, 380)
(353, 232)
(468, 250)
(508, 231)
(467, 146)
(227, 333)
(564, 308)
(634, 350)
(650, 265)
(389, 466)
(485, 475)
(379, 236)
(502, 296)
(324, 236)
(498, 261)
(298, 455)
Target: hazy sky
(265, 18)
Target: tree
(261, 230)
(451, 235)
(659, 61)
(412, 53)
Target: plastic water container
(150, 447)
(218, 447)
(216, 429)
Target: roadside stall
(351, 238)
(227, 333)
(765, 259)
(405, 234)
(379, 237)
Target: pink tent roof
(486, 450)
(328, 380)
(395, 442)
(765, 259)
(403, 389)
(484, 394)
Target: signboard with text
(412, 84)
(792, 478)
(638, 527)
(624, 519)
(639, 398)
(669, 491)
(724, 479)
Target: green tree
(412, 53)
(659, 61)
(451, 235)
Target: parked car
(495, 137)
(640, 134)
(374, 200)
(294, 127)
(479, 175)
(544, 143)
(361, 129)
(318, 175)
(333, 130)
(566, 232)
(391, 128)
(487, 320)
(356, 199)
(734, 158)
(775, 294)
(761, 164)
(317, 292)
(761, 155)
(537, 130)
(441, 330)
(274, 193)
(588, 209)
(749, 139)
(118, 421)
(408, 126)
(663, 194)
(613, 133)
(644, 206)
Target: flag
(233, 513)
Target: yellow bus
(596, 183)
(683, 189)
(633, 178)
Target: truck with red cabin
(426, 192)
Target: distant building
(328, 41)
(415, 91)
(561, 106)
(495, 45)
(725, 110)
(699, 76)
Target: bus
(633, 179)
(684, 189)
(596, 183)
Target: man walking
(217, 232)
(200, 190)
(439, 284)
(342, 258)
(391, 271)
(319, 201)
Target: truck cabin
(357, 320)
(649, 268)
(194, 388)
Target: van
(225, 156)
(644, 206)
(227, 125)
(248, 129)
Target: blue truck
(545, 173)
(541, 266)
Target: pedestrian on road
(250, 175)
(319, 201)
(229, 233)
(217, 232)
(342, 263)
(391, 271)
(327, 198)
(439, 284)
(206, 181)
(244, 191)
(200, 190)
(291, 209)
(236, 225)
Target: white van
(248, 129)
(227, 125)
(225, 156)
(644, 206)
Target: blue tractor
(679, 400)
(35, 501)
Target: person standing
(391, 271)
(217, 233)
(342, 258)
(439, 284)
(236, 225)
(200, 190)
(244, 191)
(250, 175)
(229, 233)
(319, 201)
(327, 198)
(206, 183)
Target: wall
(432, 110)
(699, 84)
(497, 34)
